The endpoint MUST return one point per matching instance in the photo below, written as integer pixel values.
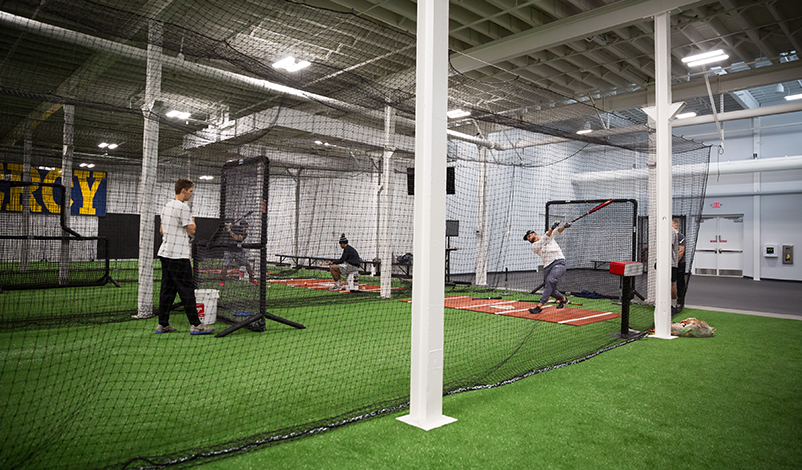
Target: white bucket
(206, 304)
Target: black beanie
(343, 240)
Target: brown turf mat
(323, 284)
(514, 308)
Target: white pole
(428, 291)
(385, 241)
(757, 248)
(481, 220)
(26, 198)
(66, 198)
(150, 157)
(662, 46)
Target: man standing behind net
(554, 262)
(177, 226)
(347, 264)
(677, 252)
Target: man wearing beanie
(348, 263)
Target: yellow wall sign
(88, 191)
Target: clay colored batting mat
(514, 308)
(323, 284)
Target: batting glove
(556, 224)
(568, 224)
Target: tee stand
(628, 270)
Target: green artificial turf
(727, 402)
(78, 394)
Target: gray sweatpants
(552, 275)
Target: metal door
(719, 249)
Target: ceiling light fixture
(585, 130)
(206, 177)
(793, 97)
(687, 115)
(705, 58)
(103, 145)
(178, 114)
(113, 146)
(457, 113)
(290, 65)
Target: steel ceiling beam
(729, 83)
(569, 29)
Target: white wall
(775, 215)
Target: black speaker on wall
(451, 188)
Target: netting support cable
(150, 156)
(385, 248)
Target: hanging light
(705, 58)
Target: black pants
(681, 284)
(177, 278)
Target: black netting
(128, 97)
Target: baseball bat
(593, 210)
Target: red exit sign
(715, 204)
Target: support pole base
(429, 424)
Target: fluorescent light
(793, 97)
(207, 177)
(178, 114)
(319, 142)
(703, 56)
(458, 113)
(290, 65)
(113, 146)
(82, 165)
(708, 61)
(90, 165)
(686, 115)
(103, 145)
(584, 131)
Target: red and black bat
(593, 210)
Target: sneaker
(201, 329)
(561, 304)
(336, 286)
(143, 315)
(536, 310)
(164, 329)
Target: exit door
(719, 249)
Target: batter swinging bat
(592, 210)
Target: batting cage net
(300, 245)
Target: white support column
(428, 291)
(297, 231)
(66, 198)
(662, 52)
(150, 157)
(481, 219)
(26, 199)
(385, 241)
(757, 249)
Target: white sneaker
(143, 315)
(336, 286)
